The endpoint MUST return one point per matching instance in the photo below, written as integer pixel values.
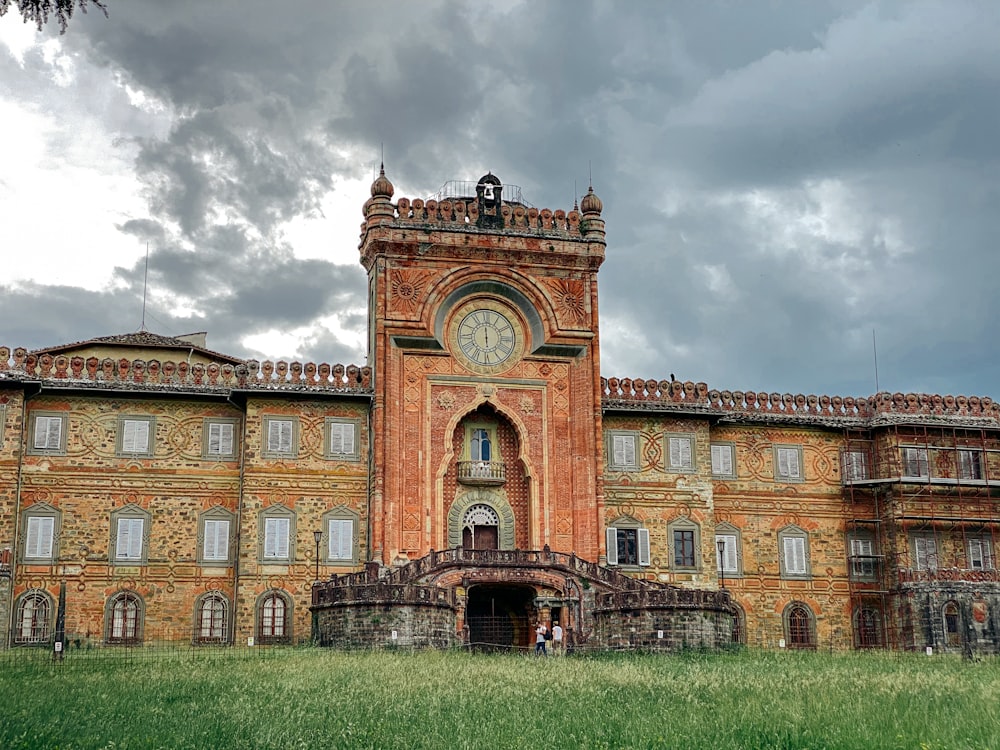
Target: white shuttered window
(276, 531)
(128, 545)
(341, 539)
(216, 540)
(38, 545)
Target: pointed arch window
(481, 528)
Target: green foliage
(290, 698)
(38, 11)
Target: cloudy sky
(780, 179)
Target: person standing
(540, 639)
(557, 638)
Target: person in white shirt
(557, 638)
(540, 639)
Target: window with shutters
(33, 618)
(793, 544)
(724, 460)
(48, 433)
(215, 537)
(915, 465)
(211, 618)
(728, 559)
(340, 527)
(925, 552)
(854, 466)
(627, 543)
(684, 537)
(274, 618)
(123, 618)
(788, 463)
(622, 450)
(800, 626)
(970, 464)
(135, 436)
(680, 452)
(277, 535)
(863, 558)
(979, 550)
(218, 438)
(130, 536)
(341, 439)
(281, 437)
(41, 526)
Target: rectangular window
(627, 546)
(980, 551)
(970, 464)
(128, 545)
(862, 557)
(787, 462)
(341, 539)
(216, 544)
(854, 466)
(623, 450)
(40, 532)
(723, 463)
(280, 437)
(134, 436)
(684, 548)
(926, 552)
(276, 532)
(680, 452)
(341, 439)
(727, 559)
(220, 438)
(915, 463)
(48, 433)
(794, 552)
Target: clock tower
(484, 348)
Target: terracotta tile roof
(141, 339)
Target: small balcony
(482, 473)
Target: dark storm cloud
(779, 178)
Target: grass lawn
(307, 698)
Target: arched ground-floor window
(867, 628)
(212, 618)
(274, 618)
(123, 619)
(33, 617)
(800, 628)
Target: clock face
(487, 337)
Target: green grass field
(307, 698)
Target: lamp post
(317, 536)
(721, 544)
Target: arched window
(274, 618)
(867, 628)
(952, 624)
(123, 619)
(799, 627)
(739, 626)
(34, 617)
(212, 619)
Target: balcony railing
(482, 472)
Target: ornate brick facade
(481, 477)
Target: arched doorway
(498, 616)
(481, 528)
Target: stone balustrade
(251, 374)
(697, 396)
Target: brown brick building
(480, 477)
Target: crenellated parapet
(688, 397)
(168, 374)
(466, 213)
